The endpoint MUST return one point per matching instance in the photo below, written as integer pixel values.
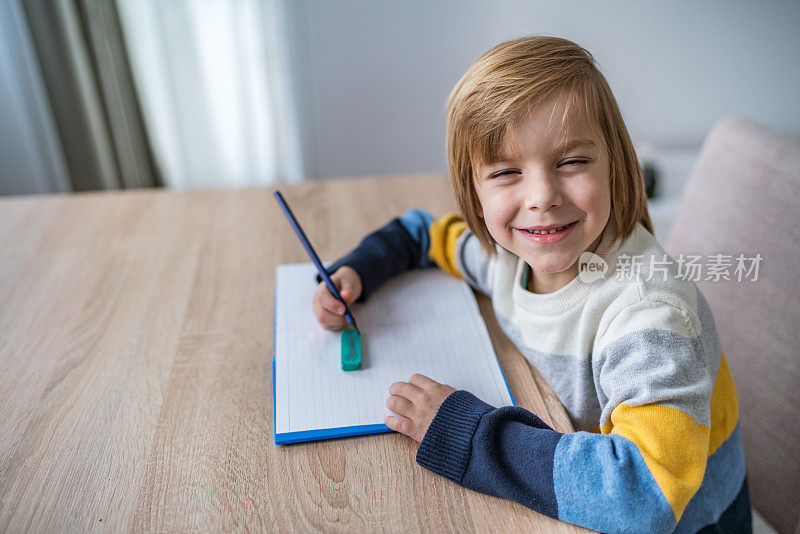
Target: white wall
(379, 72)
(372, 77)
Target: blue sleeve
(593, 480)
(400, 245)
(506, 452)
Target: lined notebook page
(423, 321)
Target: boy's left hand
(417, 401)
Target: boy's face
(548, 176)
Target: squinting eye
(502, 173)
(573, 162)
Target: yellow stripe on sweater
(444, 234)
(724, 407)
(674, 447)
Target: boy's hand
(329, 311)
(417, 401)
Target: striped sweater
(636, 362)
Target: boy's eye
(573, 161)
(502, 173)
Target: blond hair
(500, 89)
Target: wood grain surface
(136, 341)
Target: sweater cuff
(381, 255)
(445, 448)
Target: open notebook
(424, 321)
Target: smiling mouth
(546, 232)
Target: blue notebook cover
(323, 433)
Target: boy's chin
(541, 265)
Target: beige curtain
(88, 79)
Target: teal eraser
(351, 350)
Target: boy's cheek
(499, 207)
(497, 222)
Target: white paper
(423, 321)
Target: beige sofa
(744, 197)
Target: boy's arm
(639, 473)
(411, 241)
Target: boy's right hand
(329, 311)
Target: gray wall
(379, 72)
(30, 157)
(372, 77)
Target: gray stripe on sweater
(711, 343)
(473, 262)
(570, 378)
(675, 377)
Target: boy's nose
(542, 194)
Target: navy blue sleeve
(400, 245)
(507, 452)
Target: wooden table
(135, 370)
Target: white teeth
(554, 230)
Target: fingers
(416, 402)
(415, 389)
(422, 381)
(402, 425)
(328, 301)
(348, 282)
(406, 390)
(400, 405)
(348, 296)
(328, 311)
(345, 290)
